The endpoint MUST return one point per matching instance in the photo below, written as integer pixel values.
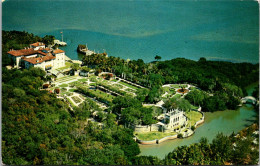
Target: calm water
(141, 29)
(221, 121)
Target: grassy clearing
(130, 90)
(118, 85)
(153, 135)
(67, 65)
(177, 96)
(194, 115)
(64, 85)
(166, 89)
(72, 90)
(108, 97)
(82, 97)
(83, 80)
(97, 94)
(147, 106)
(75, 83)
(71, 103)
(170, 91)
(179, 85)
(192, 88)
(66, 78)
(76, 99)
(128, 85)
(62, 78)
(194, 107)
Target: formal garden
(99, 89)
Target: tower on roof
(37, 45)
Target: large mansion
(38, 56)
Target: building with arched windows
(38, 56)
(175, 118)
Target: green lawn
(103, 94)
(64, 85)
(75, 83)
(76, 99)
(128, 85)
(170, 91)
(83, 80)
(194, 115)
(130, 90)
(98, 94)
(194, 107)
(148, 136)
(66, 78)
(71, 103)
(118, 85)
(179, 86)
(72, 90)
(177, 96)
(67, 65)
(192, 88)
(62, 78)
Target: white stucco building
(176, 118)
(38, 56)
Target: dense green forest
(222, 83)
(40, 129)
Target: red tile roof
(37, 44)
(23, 52)
(31, 51)
(36, 60)
(57, 51)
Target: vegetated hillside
(208, 73)
(38, 128)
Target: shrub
(179, 135)
(57, 91)
(192, 128)
(45, 86)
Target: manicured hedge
(101, 96)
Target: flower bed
(110, 87)
(183, 91)
(76, 99)
(99, 95)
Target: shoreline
(170, 137)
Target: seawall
(171, 137)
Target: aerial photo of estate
(130, 82)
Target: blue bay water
(217, 30)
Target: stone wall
(146, 128)
(147, 142)
(167, 138)
(155, 127)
